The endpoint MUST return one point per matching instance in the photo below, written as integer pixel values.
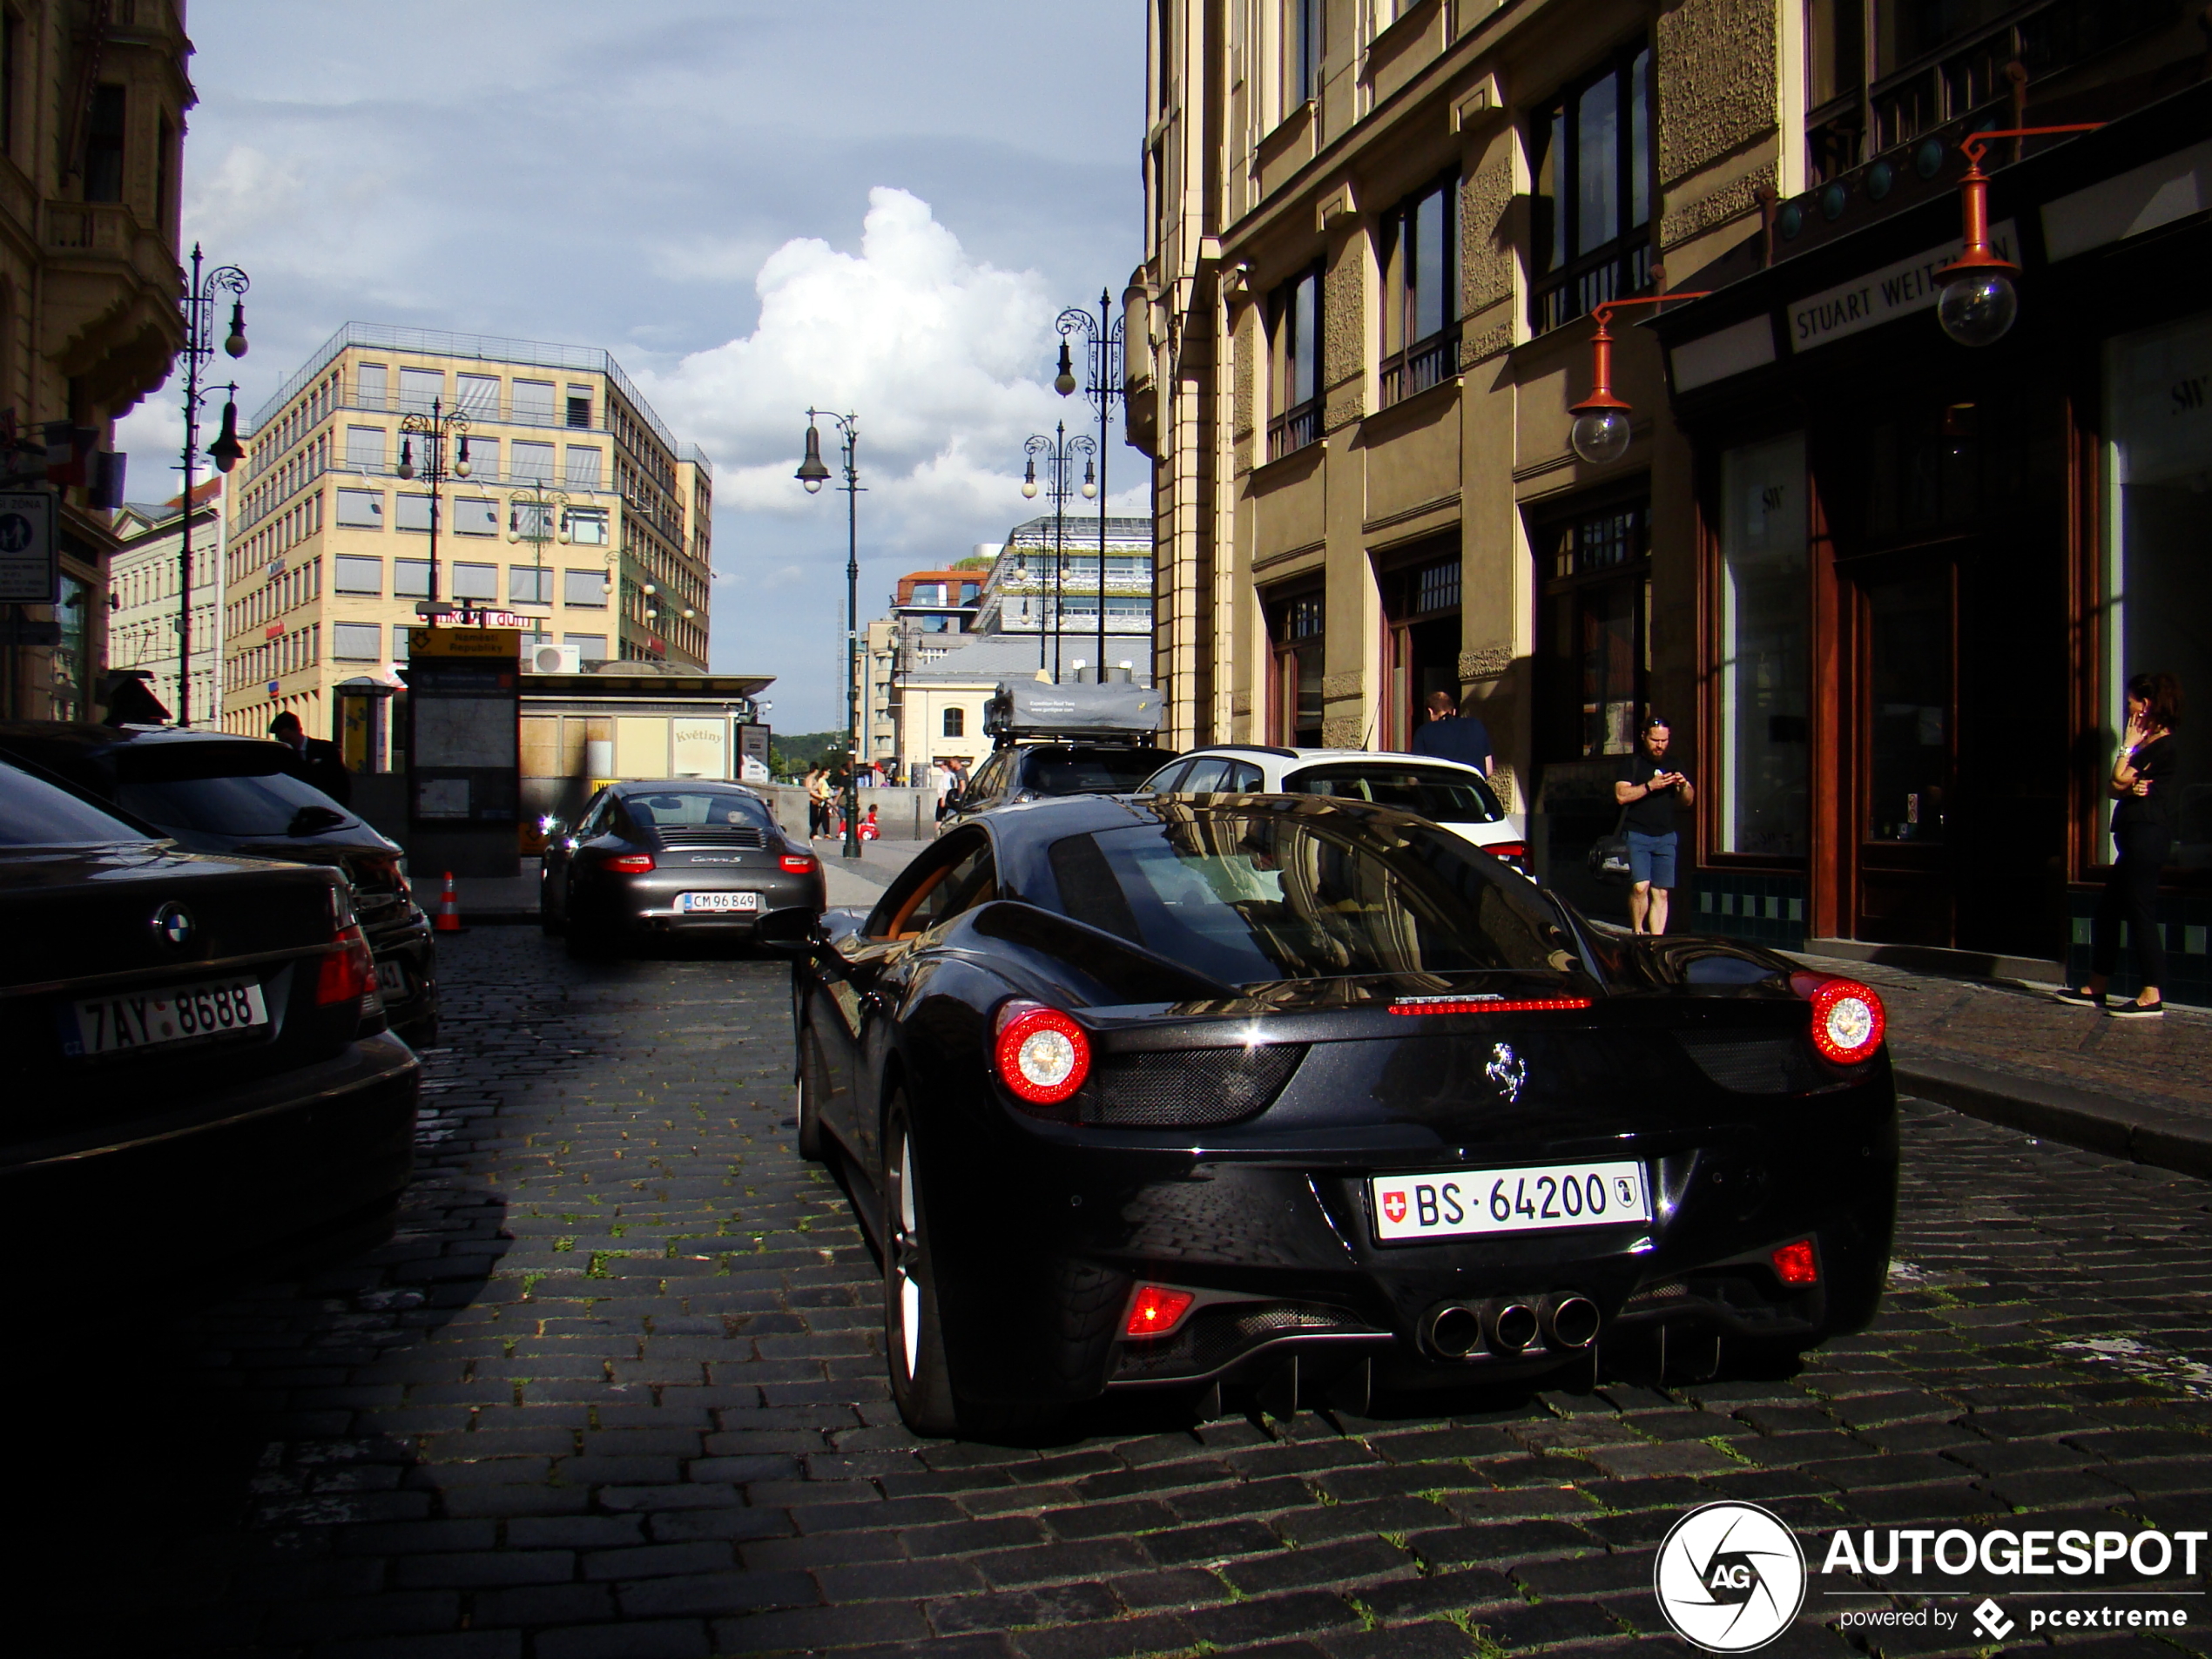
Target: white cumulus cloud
(942, 357)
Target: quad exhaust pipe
(1506, 1326)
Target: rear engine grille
(1216, 1335)
(1188, 1088)
(711, 840)
(1780, 1064)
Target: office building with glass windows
(579, 519)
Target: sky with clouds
(877, 204)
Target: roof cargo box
(1031, 709)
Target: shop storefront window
(1762, 671)
(1597, 654)
(2158, 574)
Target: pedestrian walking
(1650, 794)
(818, 801)
(1449, 735)
(2144, 785)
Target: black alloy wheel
(913, 1340)
(813, 1085)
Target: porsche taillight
(800, 863)
(1848, 1020)
(1156, 1311)
(630, 864)
(1042, 1055)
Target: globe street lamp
(1600, 431)
(433, 428)
(198, 306)
(814, 474)
(538, 516)
(1059, 452)
(1102, 357)
(1977, 302)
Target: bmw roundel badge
(175, 923)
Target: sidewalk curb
(2117, 1129)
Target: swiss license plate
(723, 901)
(143, 1019)
(1459, 1203)
(391, 981)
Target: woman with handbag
(1651, 793)
(2143, 831)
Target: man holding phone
(1650, 794)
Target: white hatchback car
(1445, 791)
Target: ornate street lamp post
(1102, 365)
(538, 515)
(226, 451)
(814, 474)
(433, 428)
(1059, 452)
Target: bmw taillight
(800, 863)
(1847, 1018)
(631, 864)
(1042, 1055)
(348, 974)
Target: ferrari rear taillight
(631, 864)
(1847, 1018)
(1795, 1264)
(1042, 1055)
(1157, 1310)
(798, 863)
(347, 972)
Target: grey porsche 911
(687, 857)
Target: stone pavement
(616, 1390)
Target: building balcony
(110, 307)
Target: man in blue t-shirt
(1450, 735)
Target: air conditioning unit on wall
(557, 659)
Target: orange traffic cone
(448, 909)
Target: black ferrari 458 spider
(1315, 1096)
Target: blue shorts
(1651, 857)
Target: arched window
(955, 722)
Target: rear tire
(913, 1340)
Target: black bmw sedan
(214, 792)
(197, 1061)
(686, 858)
(1317, 1096)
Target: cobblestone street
(615, 1389)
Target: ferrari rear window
(1437, 793)
(1303, 893)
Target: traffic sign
(30, 566)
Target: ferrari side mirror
(793, 928)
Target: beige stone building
(1885, 583)
(581, 517)
(144, 596)
(92, 103)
